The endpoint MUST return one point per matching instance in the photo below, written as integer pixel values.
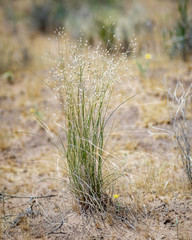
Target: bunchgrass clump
(83, 79)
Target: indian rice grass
(83, 80)
(85, 144)
(85, 139)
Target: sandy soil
(157, 189)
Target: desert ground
(35, 199)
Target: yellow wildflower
(32, 110)
(116, 196)
(148, 56)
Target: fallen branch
(2, 196)
(53, 231)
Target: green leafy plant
(83, 79)
(181, 35)
(37, 114)
(143, 68)
(9, 77)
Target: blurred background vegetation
(160, 26)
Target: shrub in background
(40, 16)
(48, 15)
(106, 33)
(89, 17)
(181, 35)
